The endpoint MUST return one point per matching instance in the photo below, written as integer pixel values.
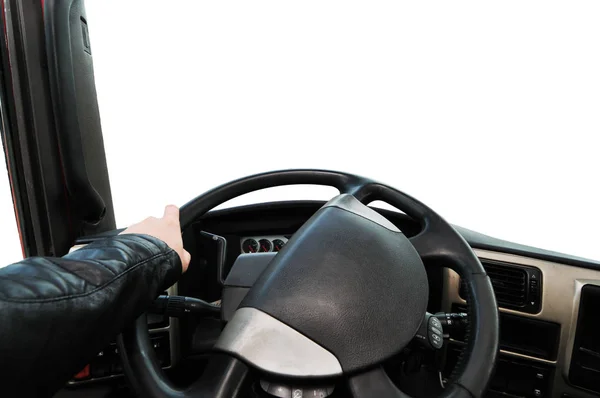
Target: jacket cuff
(173, 266)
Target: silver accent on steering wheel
(274, 347)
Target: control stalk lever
(452, 322)
(178, 306)
(431, 332)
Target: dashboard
(549, 342)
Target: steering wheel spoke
(374, 383)
(224, 376)
(437, 239)
(439, 245)
(361, 189)
(431, 244)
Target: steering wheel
(347, 292)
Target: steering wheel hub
(347, 292)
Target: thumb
(185, 261)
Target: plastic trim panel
(274, 347)
(560, 303)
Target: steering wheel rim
(438, 244)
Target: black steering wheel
(347, 292)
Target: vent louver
(510, 284)
(515, 287)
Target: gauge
(250, 246)
(264, 245)
(277, 245)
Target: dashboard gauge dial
(250, 246)
(278, 245)
(264, 245)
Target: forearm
(57, 313)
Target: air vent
(516, 287)
(510, 284)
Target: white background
(487, 112)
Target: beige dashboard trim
(561, 291)
(511, 354)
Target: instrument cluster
(263, 244)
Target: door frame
(49, 210)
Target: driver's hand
(166, 229)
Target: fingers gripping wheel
(348, 291)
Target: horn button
(348, 282)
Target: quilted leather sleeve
(57, 313)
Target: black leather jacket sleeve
(57, 313)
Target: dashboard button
(436, 340)
(280, 391)
(320, 392)
(540, 375)
(433, 321)
(436, 330)
(311, 392)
